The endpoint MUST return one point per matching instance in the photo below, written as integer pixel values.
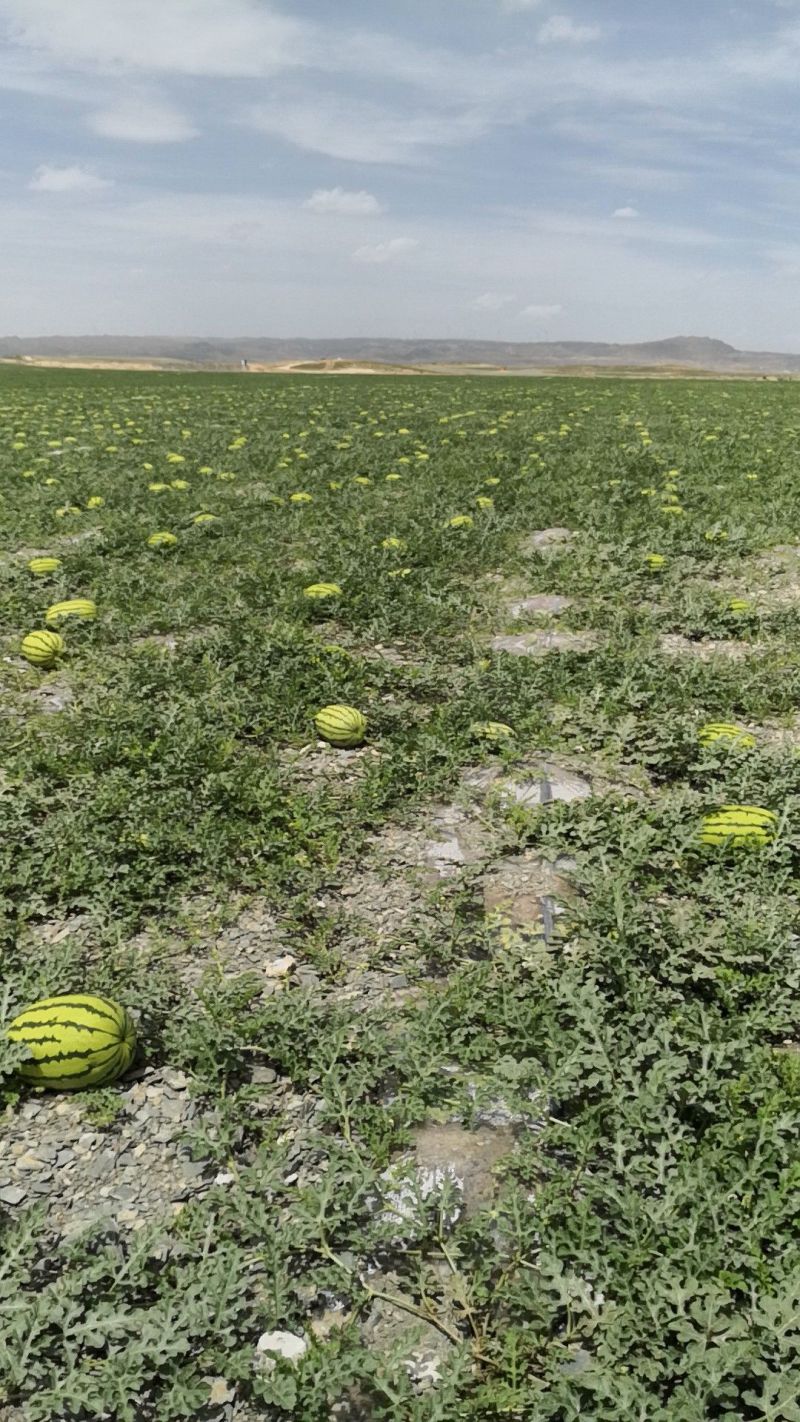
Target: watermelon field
(466, 1080)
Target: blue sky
(508, 169)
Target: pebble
(282, 1345)
(42, 1186)
(12, 1195)
(280, 967)
(27, 1162)
(308, 978)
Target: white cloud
(560, 29)
(74, 179)
(237, 38)
(340, 201)
(626, 212)
(541, 313)
(491, 301)
(514, 5)
(362, 132)
(142, 120)
(386, 251)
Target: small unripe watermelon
(75, 1041)
(341, 725)
(42, 648)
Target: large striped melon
(739, 825)
(74, 607)
(42, 566)
(341, 725)
(75, 1041)
(42, 648)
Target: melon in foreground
(42, 648)
(739, 825)
(75, 1041)
(341, 725)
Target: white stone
(281, 1345)
(280, 967)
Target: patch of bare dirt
(705, 649)
(542, 641)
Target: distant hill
(699, 352)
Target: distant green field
(558, 1139)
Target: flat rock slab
(544, 538)
(539, 643)
(547, 784)
(539, 605)
(704, 650)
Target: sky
(515, 170)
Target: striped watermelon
(75, 1041)
(322, 590)
(726, 732)
(739, 825)
(42, 566)
(491, 731)
(75, 607)
(42, 648)
(341, 725)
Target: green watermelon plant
(616, 1237)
